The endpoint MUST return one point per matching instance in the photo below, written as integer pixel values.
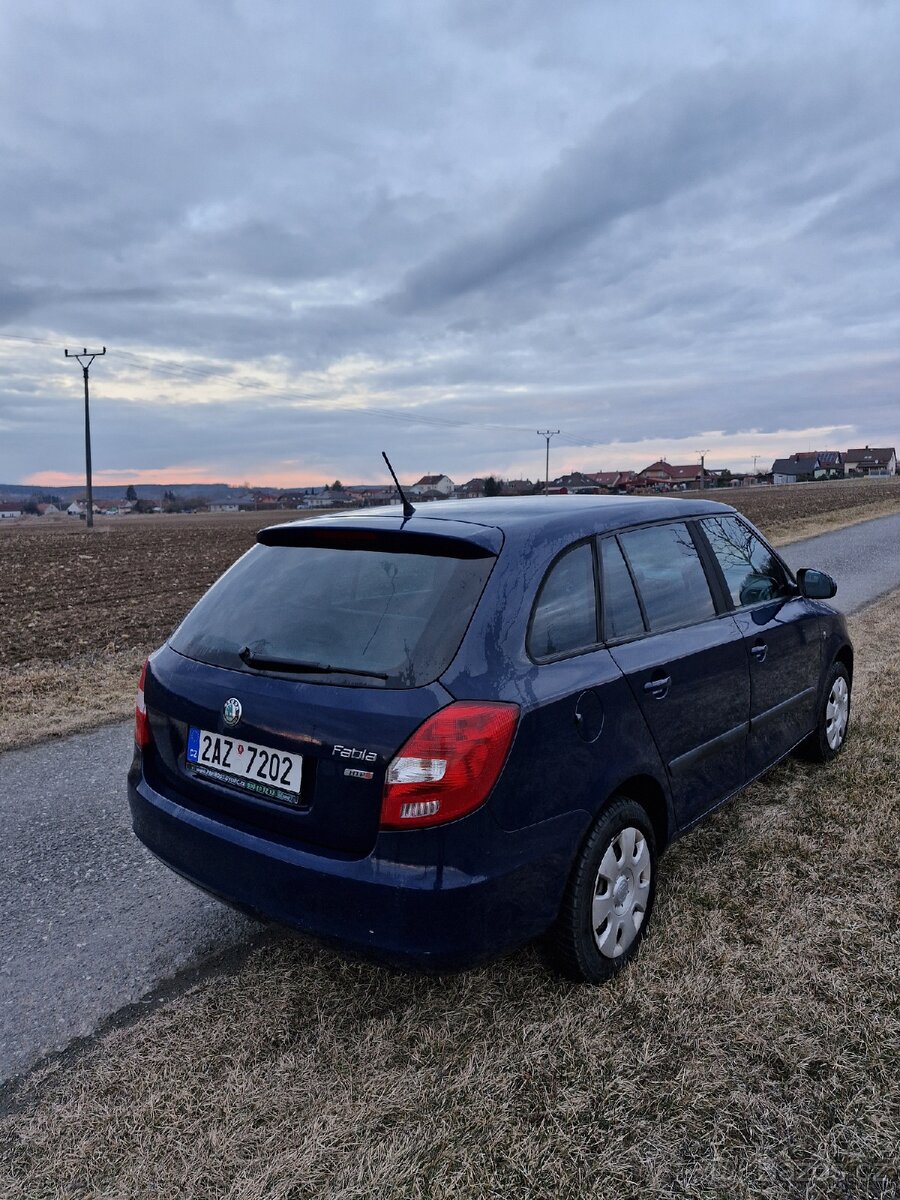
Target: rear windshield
(400, 617)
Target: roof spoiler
(392, 541)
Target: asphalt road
(864, 559)
(92, 923)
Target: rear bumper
(404, 903)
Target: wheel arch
(845, 657)
(649, 793)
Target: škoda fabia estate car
(429, 739)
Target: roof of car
(552, 514)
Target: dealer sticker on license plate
(273, 774)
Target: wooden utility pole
(703, 454)
(85, 358)
(548, 434)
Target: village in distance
(18, 501)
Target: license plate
(273, 774)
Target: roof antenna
(408, 509)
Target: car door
(582, 730)
(687, 667)
(782, 635)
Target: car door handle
(759, 650)
(658, 687)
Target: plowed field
(81, 608)
(65, 589)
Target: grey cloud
(641, 155)
(16, 302)
(622, 219)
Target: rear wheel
(609, 896)
(833, 720)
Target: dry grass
(752, 1051)
(839, 518)
(44, 699)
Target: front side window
(752, 572)
(565, 616)
(669, 575)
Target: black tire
(571, 944)
(820, 746)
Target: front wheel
(609, 896)
(833, 718)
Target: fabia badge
(232, 711)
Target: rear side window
(618, 602)
(400, 617)
(565, 615)
(752, 572)
(669, 575)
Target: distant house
(224, 506)
(46, 510)
(517, 487)
(829, 464)
(373, 495)
(472, 490)
(442, 484)
(805, 466)
(871, 461)
(577, 481)
(611, 480)
(298, 497)
(76, 509)
(665, 475)
(257, 500)
(266, 500)
(327, 498)
(9, 511)
(793, 470)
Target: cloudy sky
(307, 232)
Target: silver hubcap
(621, 892)
(837, 713)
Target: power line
(407, 416)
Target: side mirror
(815, 585)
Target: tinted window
(669, 575)
(401, 615)
(565, 616)
(621, 611)
(751, 570)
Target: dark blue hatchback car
(432, 739)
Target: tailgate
(345, 737)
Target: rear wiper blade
(261, 663)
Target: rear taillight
(449, 765)
(142, 734)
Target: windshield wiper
(261, 663)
